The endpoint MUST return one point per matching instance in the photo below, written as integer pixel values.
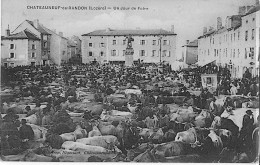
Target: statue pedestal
(129, 59)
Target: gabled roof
(25, 34)
(40, 28)
(112, 32)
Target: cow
(31, 119)
(107, 141)
(94, 132)
(174, 148)
(184, 115)
(76, 146)
(68, 136)
(204, 119)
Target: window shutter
(14, 46)
(111, 52)
(169, 42)
(93, 45)
(117, 52)
(140, 52)
(146, 53)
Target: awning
(203, 63)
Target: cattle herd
(111, 113)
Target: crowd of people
(107, 79)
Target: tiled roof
(26, 34)
(112, 32)
(40, 28)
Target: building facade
(53, 46)
(190, 52)
(235, 45)
(150, 46)
(23, 48)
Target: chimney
(211, 28)
(241, 10)
(172, 28)
(7, 32)
(36, 23)
(187, 42)
(219, 23)
(61, 34)
(204, 30)
(54, 30)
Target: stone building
(23, 48)
(150, 46)
(190, 52)
(53, 46)
(235, 45)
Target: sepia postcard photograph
(169, 81)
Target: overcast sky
(188, 16)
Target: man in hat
(163, 120)
(247, 128)
(26, 131)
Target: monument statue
(129, 60)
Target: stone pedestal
(129, 59)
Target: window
(246, 21)
(238, 52)
(165, 42)
(234, 53)
(123, 52)
(253, 19)
(33, 54)
(142, 42)
(44, 53)
(12, 46)
(12, 64)
(154, 42)
(153, 53)
(45, 37)
(208, 52)
(32, 63)
(238, 34)
(5, 64)
(234, 36)
(142, 52)
(245, 53)
(114, 42)
(101, 53)
(113, 53)
(215, 52)
(90, 44)
(45, 44)
(33, 47)
(124, 42)
(90, 53)
(102, 44)
(226, 52)
(12, 55)
(164, 53)
(213, 41)
(231, 37)
(169, 54)
(246, 35)
(63, 52)
(252, 52)
(253, 34)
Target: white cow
(31, 119)
(75, 146)
(102, 141)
